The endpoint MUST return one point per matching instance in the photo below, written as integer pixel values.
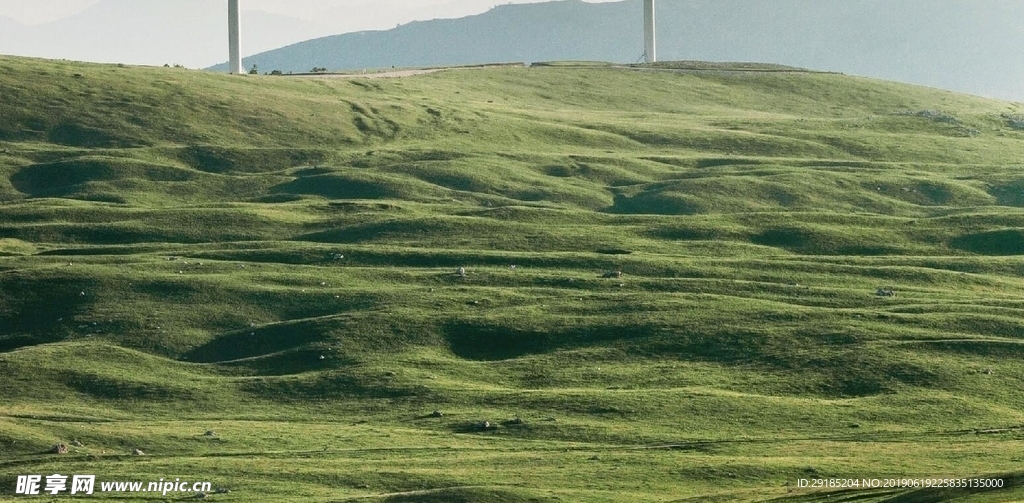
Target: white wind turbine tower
(650, 33)
(234, 38)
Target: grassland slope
(820, 277)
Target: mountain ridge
(950, 44)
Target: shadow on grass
(39, 311)
(1002, 242)
(76, 135)
(838, 366)
(258, 342)
(335, 385)
(656, 202)
(113, 389)
(214, 159)
(335, 186)
(467, 495)
(814, 242)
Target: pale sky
(43, 11)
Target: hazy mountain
(189, 32)
(518, 32)
(965, 45)
(11, 32)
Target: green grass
(274, 259)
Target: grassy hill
(274, 260)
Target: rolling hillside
(254, 280)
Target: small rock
(59, 449)
(200, 496)
(138, 452)
(612, 274)
(223, 490)
(461, 272)
(390, 373)
(210, 433)
(437, 413)
(322, 357)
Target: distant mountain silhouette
(965, 45)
